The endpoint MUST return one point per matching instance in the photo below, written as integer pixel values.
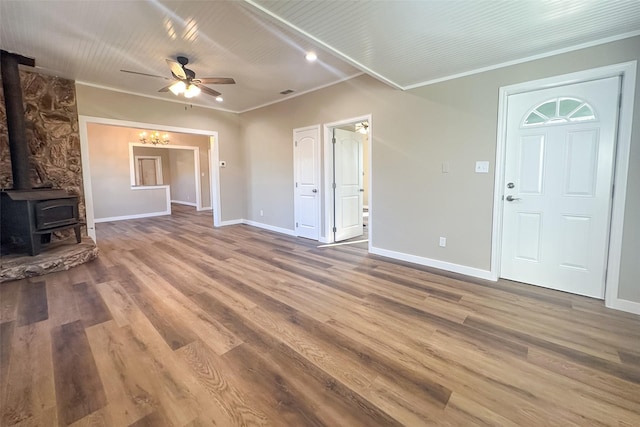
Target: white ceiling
(262, 43)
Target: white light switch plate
(482, 167)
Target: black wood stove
(28, 215)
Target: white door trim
(318, 177)
(83, 121)
(623, 146)
(327, 235)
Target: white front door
(306, 155)
(558, 186)
(348, 189)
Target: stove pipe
(18, 145)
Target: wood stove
(29, 218)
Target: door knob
(314, 190)
(510, 198)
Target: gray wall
(120, 106)
(183, 185)
(413, 133)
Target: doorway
(212, 159)
(347, 180)
(574, 178)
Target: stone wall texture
(51, 119)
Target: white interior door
(558, 186)
(307, 182)
(348, 188)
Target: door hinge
(296, 185)
(295, 143)
(335, 229)
(333, 140)
(296, 225)
(334, 185)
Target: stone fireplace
(54, 168)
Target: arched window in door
(559, 111)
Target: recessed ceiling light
(219, 99)
(311, 56)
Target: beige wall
(111, 175)
(119, 106)
(413, 202)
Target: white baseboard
(286, 231)
(180, 202)
(136, 216)
(231, 222)
(442, 265)
(624, 305)
(206, 208)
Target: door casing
(327, 234)
(623, 145)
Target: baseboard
(625, 305)
(231, 222)
(286, 231)
(179, 202)
(442, 265)
(206, 208)
(136, 216)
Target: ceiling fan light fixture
(191, 91)
(178, 87)
(219, 98)
(311, 56)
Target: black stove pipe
(18, 145)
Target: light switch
(482, 167)
(445, 167)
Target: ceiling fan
(185, 82)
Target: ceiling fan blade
(208, 90)
(145, 74)
(217, 81)
(166, 88)
(176, 69)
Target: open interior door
(348, 186)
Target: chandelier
(154, 138)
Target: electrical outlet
(261, 212)
(443, 242)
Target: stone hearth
(60, 255)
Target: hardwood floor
(179, 324)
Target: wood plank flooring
(180, 324)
